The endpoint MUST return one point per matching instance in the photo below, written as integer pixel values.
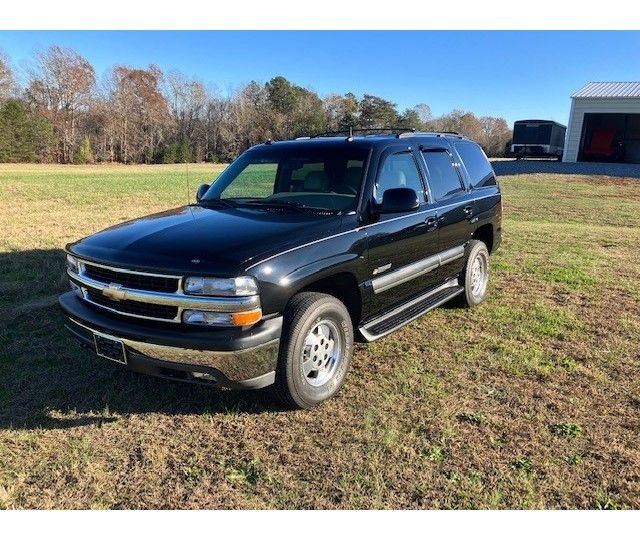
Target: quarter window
(480, 171)
(399, 171)
(443, 178)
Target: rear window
(480, 171)
(531, 133)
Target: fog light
(212, 318)
(191, 316)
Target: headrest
(352, 177)
(316, 181)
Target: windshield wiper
(223, 203)
(298, 207)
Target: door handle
(431, 223)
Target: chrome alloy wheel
(479, 275)
(322, 352)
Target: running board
(404, 314)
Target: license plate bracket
(110, 348)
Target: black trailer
(538, 138)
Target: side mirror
(397, 200)
(201, 191)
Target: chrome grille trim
(124, 270)
(177, 319)
(178, 299)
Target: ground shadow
(48, 380)
(540, 166)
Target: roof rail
(432, 133)
(371, 131)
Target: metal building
(604, 123)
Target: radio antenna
(189, 191)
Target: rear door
(400, 244)
(454, 206)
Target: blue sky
(513, 74)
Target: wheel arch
(344, 287)
(485, 234)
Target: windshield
(320, 178)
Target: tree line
(63, 114)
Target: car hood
(206, 240)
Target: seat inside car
(316, 181)
(351, 180)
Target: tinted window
(524, 133)
(326, 177)
(399, 170)
(477, 165)
(256, 180)
(443, 178)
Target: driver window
(399, 170)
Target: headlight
(211, 318)
(74, 264)
(240, 286)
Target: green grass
(527, 401)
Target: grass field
(531, 400)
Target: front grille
(132, 280)
(132, 307)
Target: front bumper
(231, 358)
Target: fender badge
(381, 269)
(195, 261)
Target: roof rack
(432, 133)
(371, 131)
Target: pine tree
(83, 153)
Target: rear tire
(315, 350)
(475, 277)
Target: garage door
(610, 137)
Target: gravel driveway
(508, 167)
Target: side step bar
(404, 314)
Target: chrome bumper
(252, 367)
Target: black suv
(298, 249)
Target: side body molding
(418, 268)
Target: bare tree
(496, 135)
(140, 110)
(140, 115)
(423, 112)
(8, 86)
(60, 87)
(188, 101)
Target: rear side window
(480, 172)
(443, 178)
(399, 171)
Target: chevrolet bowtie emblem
(115, 292)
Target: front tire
(315, 352)
(476, 274)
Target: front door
(401, 246)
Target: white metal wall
(580, 106)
